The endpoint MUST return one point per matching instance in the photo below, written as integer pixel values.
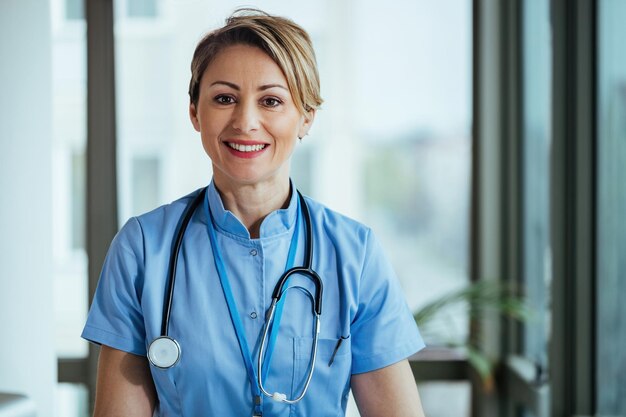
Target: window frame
(572, 204)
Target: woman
(254, 90)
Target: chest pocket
(328, 391)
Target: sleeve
(383, 330)
(115, 318)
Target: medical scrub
(363, 304)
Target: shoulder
(167, 213)
(157, 224)
(334, 221)
(342, 233)
(351, 244)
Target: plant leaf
(482, 365)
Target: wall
(27, 357)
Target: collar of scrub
(276, 223)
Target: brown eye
(224, 99)
(271, 102)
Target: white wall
(27, 358)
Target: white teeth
(246, 148)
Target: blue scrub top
(362, 301)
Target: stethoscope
(164, 352)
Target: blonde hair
(284, 41)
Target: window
(78, 198)
(145, 183)
(69, 92)
(68, 182)
(414, 135)
(75, 9)
(536, 139)
(611, 206)
(72, 400)
(141, 8)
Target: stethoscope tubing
(171, 275)
(305, 270)
(261, 357)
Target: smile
(246, 148)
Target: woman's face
(247, 118)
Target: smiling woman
(249, 124)
(234, 245)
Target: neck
(252, 203)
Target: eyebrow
(261, 88)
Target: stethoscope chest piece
(164, 352)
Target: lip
(245, 142)
(245, 155)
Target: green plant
(477, 299)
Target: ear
(193, 116)
(306, 124)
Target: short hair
(284, 41)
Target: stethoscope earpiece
(164, 352)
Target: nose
(245, 117)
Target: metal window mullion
(585, 256)
(487, 236)
(523, 389)
(102, 221)
(73, 370)
(512, 162)
(572, 208)
(512, 192)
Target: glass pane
(141, 8)
(75, 9)
(446, 399)
(145, 177)
(72, 400)
(412, 125)
(523, 412)
(536, 83)
(78, 209)
(611, 206)
(69, 78)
